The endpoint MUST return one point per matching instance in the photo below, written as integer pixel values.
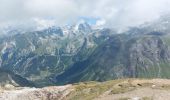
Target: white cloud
(42, 23)
(100, 22)
(114, 13)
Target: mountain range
(70, 54)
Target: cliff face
(122, 56)
(147, 57)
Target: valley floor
(122, 89)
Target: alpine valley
(78, 53)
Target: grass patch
(147, 98)
(126, 98)
(91, 90)
(122, 88)
(165, 87)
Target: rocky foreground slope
(123, 89)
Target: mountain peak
(83, 27)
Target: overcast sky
(113, 13)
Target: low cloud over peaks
(110, 13)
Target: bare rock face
(47, 93)
(146, 54)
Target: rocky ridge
(123, 89)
